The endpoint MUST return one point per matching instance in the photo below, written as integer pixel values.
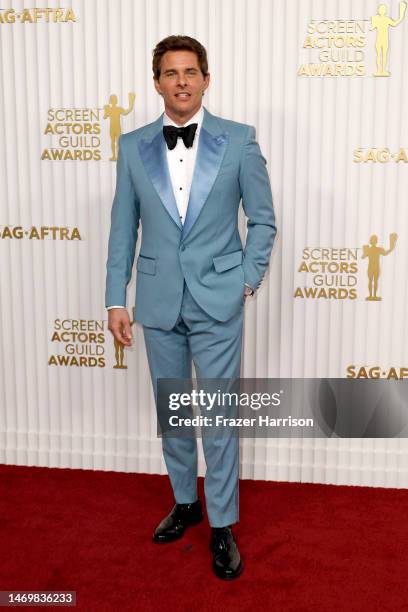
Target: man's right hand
(119, 325)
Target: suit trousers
(215, 349)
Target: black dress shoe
(227, 562)
(174, 525)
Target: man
(183, 177)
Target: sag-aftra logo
(37, 15)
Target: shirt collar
(197, 118)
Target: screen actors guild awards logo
(78, 343)
(373, 253)
(339, 46)
(332, 273)
(382, 22)
(76, 133)
(114, 112)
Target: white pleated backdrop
(308, 127)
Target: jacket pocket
(228, 261)
(147, 265)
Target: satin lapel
(210, 153)
(154, 158)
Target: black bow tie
(172, 133)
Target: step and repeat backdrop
(325, 83)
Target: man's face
(181, 83)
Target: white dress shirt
(181, 162)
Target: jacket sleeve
(258, 207)
(125, 217)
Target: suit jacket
(206, 251)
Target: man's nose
(181, 80)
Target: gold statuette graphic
(373, 253)
(382, 22)
(120, 350)
(114, 112)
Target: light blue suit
(190, 278)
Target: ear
(157, 86)
(206, 81)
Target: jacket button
(183, 247)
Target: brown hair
(179, 43)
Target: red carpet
(306, 547)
